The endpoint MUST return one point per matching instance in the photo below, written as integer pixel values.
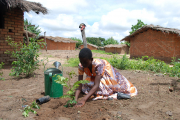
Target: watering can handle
(50, 76)
(46, 64)
(51, 61)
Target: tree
(33, 29)
(110, 41)
(78, 43)
(126, 43)
(137, 26)
(94, 41)
(102, 41)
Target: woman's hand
(80, 103)
(91, 92)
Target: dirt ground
(153, 102)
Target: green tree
(102, 40)
(33, 29)
(126, 42)
(137, 26)
(110, 40)
(94, 41)
(78, 43)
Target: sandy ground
(153, 102)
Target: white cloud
(124, 19)
(104, 18)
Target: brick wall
(111, 49)
(89, 46)
(155, 43)
(13, 27)
(51, 45)
(121, 50)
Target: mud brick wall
(13, 27)
(122, 50)
(111, 49)
(155, 44)
(51, 45)
(89, 46)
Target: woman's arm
(78, 90)
(91, 92)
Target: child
(105, 81)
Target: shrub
(175, 70)
(26, 55)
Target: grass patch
(151, 64)
(72, 62)
(102, 52)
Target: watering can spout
(57, 64)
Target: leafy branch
(28, 109)
(66, 82)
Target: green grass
(102, 52)
(72, 62)
(151, 64)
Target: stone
(169, 113)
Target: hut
(101, 48)
(120, 49)
(12, 23)
(155, 41)
(90, 46)
(59, 43)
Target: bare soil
(158, 96)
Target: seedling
(28, 109)
(66, 82)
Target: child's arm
(78, 90)
(91, 92)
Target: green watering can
(52, 88)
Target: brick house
(90, 46)
(12, 23)
(155, 41)
(120, 49)
(59, 43)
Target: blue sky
(103, 18)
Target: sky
(103, 18)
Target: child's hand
(80, 103)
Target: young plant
(1, 73)
(26, 56)
(66, 82)
(28, 109)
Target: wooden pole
(84, 38)
(82, 26)
(45, 40)
(27, 38)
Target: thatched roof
(158, 28)
(116, 46)
(59, 39)
(29, 34)
(92, 45)
(24, 5)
